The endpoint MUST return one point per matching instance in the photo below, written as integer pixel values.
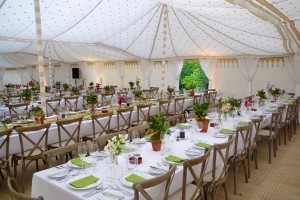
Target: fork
(98, 189)
(127, 193)
(68, 177)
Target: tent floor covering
(280, 180)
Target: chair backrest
(106, 98)
(124, 118)
(221, 152)
(52, 106)
(143, 113)
(179, 104)
(101, 125)
(213, 96)
(255, 130)
(147, 92)
(14, 191)
(16, 109)
(139, 187)
(142, 130)
(242, 139)
(189, 165)
(70, 134)
(206, 98)
(72, 101)
(198, 98)
(14, 98)
(35, 140)
(59, 154)
(102, 140)
(274, 123)
(289, 112)
(175, 119)
(4, 145)
(154, 89)
(164, 106)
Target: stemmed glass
(93, 150)
(136, 154)
(82, 151)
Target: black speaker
(75, 72)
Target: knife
(157, 168)
(112, 195)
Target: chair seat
(208, 177)
(265, 133)
(35, 153)
(190, 189)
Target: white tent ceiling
(101, 30)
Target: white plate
(25, 121)
(84, 188)
(220, 135)
(193, 153)
(170, 162)
(102, 196)
(86, 159)
(129, 184)
(57, 173)
(159, 170)
(140, 141)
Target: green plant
(37, 111)
(92, 99)
(234, 103)
(66, 86)
(158, 125)
(261, 94)
(131, 84)
(91, 84)
(9, 85)
(74, 90)
(171, 89)
(200, 110)
(26, 94)
(138, 94)
(106, 88)
(57, 83)
(276, 91)
(192, 75)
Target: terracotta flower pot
(93, 110)
(156, 145)
(203, 125)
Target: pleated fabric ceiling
(105, 30)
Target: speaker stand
(75, 82)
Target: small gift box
(132, 160)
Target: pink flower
(98, 85)
(121, 99)
(248, 102)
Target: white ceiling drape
(66, 71)
(248, 68)
(120, 66)
(82, 70)
(293, 65)
(147, 68)
(2, 72)
(99, 66)
(176, 66)
(209, 67)
(20, 72)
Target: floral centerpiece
(34, 84)
(131, 84)
(74, 90)
(158, 126)
(248, 103)
(98, 85)
(57, 84)
(38, 113)
(66, 86)
(9, 85)
(137, 82)
(269, 88)
(26, 95)
(121, 99)
(234, 103)
(262, 95)
(106, 88)
(18, 86)
(114, 146)
(92, 99)
(138, 94)
(201, 111)
(171, 91)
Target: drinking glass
(93, 149)
(136, 154)
(82, 151)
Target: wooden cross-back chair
(175, 119)
(68, 132)
(178, 106)
(106, 98)
(13, 99)
(164, 106)
(143, 113)
(140, 187)
(194, 190)
(207, 98)
(213, 96)
(240, 155)
(252, 149)
(288, 122)
(72, 101)
(59, 154)
(102, 140)
(154, 89)
(101, 124)
(15, 192)
(271, 134)
(138, 131)
(52, 106)
(36, 140)
(218, 175)
(147, 92)
(16, 109)
(123, 119)
(4, 145)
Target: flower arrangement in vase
(74, 91)
(26, 95)
(158, 126)
(261, 97)
(98, 85)
(201, 111)
(92, 99)
(171, 91)
(114, 146)
(131, 84)
(66, 86)
(106, 89)
(137, 83)
(38, 113)
(248, 103)
(121, 99)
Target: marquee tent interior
(114, 41)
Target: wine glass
(82, 151)
(93, 150)
(136, 154)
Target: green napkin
(81, 183)
(225, 130)
(256, 115)
(174, 159)
(134, 178)
(180, 125)
(244, 123)
(148, 137)
(204, 145)
(77, 161)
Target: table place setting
(130, 178)
(172, 159)
(80, 163)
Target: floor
(278, 181)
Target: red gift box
(132, 160)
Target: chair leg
(255, 158)
(23, 175)
(284, 134)
(225, 191)
(245, 170)
(274, 146)
(248, 159)
(270, 147)
(1, 174)
(15, 161)
(234, 178)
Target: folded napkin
(225, 130)
(148, 137)
(83, 182)
(244, 123)
(174, 159)
(183, 125)
(77, 161)
(134, 178)
(204, 145)
(256, 115)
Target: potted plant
(106, 88)
(171, 91)
(138, 94)
(66, 86)
(158, 127)
(38, 113)
(131, 84)
(57, 84)
(98, 85)
(26, 95)
(92, 99)
(74, 90)
(91, 84)
(201, 111)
